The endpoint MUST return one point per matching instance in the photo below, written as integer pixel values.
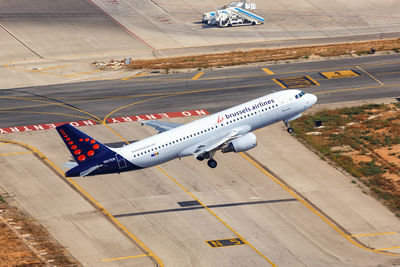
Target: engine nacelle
(240, 144)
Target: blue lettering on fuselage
(248, 109)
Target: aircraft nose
(313, 99)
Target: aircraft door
(284, 104)
(121, 161)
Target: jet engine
(240, 144)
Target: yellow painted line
(278, 82)
(373, 77)
(15, 153)
(89, 197)
(49, 68)
(82, 73)
(215, 215)
(354, 89)
(389, 233)
(135, 76)
(198, 75)
(313, 210)
(268, 71)
(312, 80)
(124, 258)
(379, 249)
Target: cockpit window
(300, 95)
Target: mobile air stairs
(233, 14)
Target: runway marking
(15, 153)
(268, 71)
(379, 249)
(81, 73)
(135, 76)
(388, 233)
(124, 258)
(373, 77)
(296, 82)
(105, 212)
(215, 215)
(198, 75)
(225, 242)
(312, 209)
(339, 74)
(279, 83)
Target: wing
(161, 126)
(210, 145)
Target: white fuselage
(181, 141)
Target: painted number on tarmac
(225, 242)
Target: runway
(374, 77)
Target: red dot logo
(92, 141)
(90, 153)
(87, 139)
(67, 139)
(73, 147)
(65, 136)
(77, 152)
(96, 146)
(80, 140)
(81, 157)
(70, 143)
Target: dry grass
(14, 250)
(243, 57)
(372, 134)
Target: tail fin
(83, 148)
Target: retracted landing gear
(212, 163)
(289, 129)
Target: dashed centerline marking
(370, 75)
(268, 71)
(198, 75)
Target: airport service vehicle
(233, 14)
(229, 130)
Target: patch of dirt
(24, 242)
(254, 56)
(375, 141)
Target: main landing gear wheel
(212, 163)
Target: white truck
(233, 14)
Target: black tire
(212, 163)
(290, 130)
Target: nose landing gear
(289, 129)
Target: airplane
(229, 130)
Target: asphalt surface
(377, 77)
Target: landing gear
(289, 129)
(212, 163)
